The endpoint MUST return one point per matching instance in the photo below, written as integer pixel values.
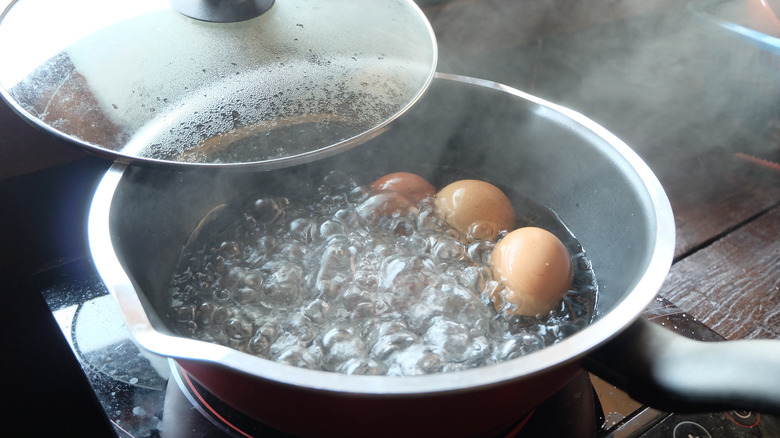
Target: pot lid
(255, 82)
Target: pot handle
(670, 372)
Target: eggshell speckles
(477, 209)
(535, 270)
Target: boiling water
(325, 281)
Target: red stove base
(572, 412)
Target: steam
(659, 77)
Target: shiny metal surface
(302, 81)
(603, 191)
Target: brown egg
(479, 210)
(413, 186)
(535, 269)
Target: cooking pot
(141, 218)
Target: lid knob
(222, 11)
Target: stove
(147, 396)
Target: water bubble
(520, 345)
(222, 295)
(229, 249)
(184, 313)
(267, 210)
(292, 251)
(234, 276)
(366, 279)
(385, 204)
(303, 229)
(480, 252)
(449, 339)
(247, 295)
(348, 218)
(365, 309)
(334, 268)
(447, 248)
(204, 312)
(358, 194)
(189, 328)
(258, 346)
(282, 287)
(482, 231)
(183, 277)
(362, 366)
(253, 279)
(354, 281)
(416, 360)
(301, 327)
(337, 180)
(317, 311)
(429, 219)
(239, 329)
(340, 345)
(391, 343)
(297, 356)
(331, 228)
(406, 276)
(265, 244)
(221, 315)
(354, 296)
(216, 266)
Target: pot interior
(602, 191)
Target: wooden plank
(714, 192)
(733, 285)
(24, 149)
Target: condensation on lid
(144, 82)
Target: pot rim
(573, 348)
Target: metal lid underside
(141, 82)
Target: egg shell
(413, 186)
(468, 202)
(535, 270)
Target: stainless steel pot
(142, 217)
